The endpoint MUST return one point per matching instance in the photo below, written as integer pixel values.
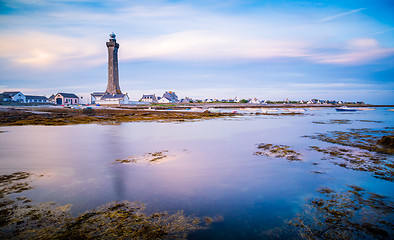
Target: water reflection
(218, 175)
(113, 146)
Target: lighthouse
(113, 95)
(113, 71)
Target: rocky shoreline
(12, 116)
(67, 115)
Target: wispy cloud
(385, 31)
(357, 51)
(341, 15)
(174, 32)
(39, 49)
(206, 45)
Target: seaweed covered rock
(277, 151)
(387, 141)
(378, 164)
(374, 140)
(351, 214)
(21, 218)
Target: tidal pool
(206, 168)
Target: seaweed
(318, 172)
(364, 138)
(280, 114)
(65, 116)
(22, 219)
(278, 151)
(370, 121)
(334, 121)
(122, 220)
(386, 141)
(210, 220)
(154, 157)
(379, 165)
(352, 214)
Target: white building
(36, 99)
(163, 100)
(149, 98)
(66, 98)
(313, 101)
(51, 99)
(14, 97)
(113, 99)
(170, 96)
(254, 101)
(96, 96)
(186, 100)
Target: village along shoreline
(68, 115)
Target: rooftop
(68, 95)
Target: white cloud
(39, 49)
(363, 43)
(206, 45)
(357, 51)
(176, 32)
(355, 58)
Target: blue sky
(341, 50)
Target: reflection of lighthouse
(117, 172)
(113, 73)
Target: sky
(272, 49)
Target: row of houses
(171, 97)
(59, 98)
(168, 97)
(317, 101)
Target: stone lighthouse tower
(113, 73)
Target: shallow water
(210, 169)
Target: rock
(387, 141)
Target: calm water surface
(210, 169)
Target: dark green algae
(277, 151)
(350, 214)
(20, 218)
(153, 157)
(364, 138)
(367, 150)
(334, 121)
(379, 165)
(65, 116)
